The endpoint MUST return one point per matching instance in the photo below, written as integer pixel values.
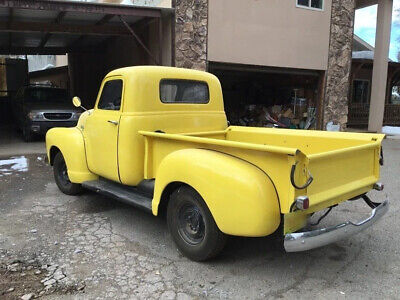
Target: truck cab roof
(155, 88)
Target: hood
(51, 107)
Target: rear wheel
(192, 226)
(61, 177)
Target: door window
(111, 95)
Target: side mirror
(77, 101)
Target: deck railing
(359, 114)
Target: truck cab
(127, 104)
(158, 138)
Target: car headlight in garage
(36, 116)
(75, 115)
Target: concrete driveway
(57, 246)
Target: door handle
(113, 122)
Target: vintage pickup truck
(158, 139)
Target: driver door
(101, 130)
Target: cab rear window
(184, 91)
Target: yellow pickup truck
(158, 139)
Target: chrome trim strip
(302, 241)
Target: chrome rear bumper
(302, 241)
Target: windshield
(46, 95)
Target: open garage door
(96, 37)
(268, 97)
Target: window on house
(361, 91)
(313, 4)
(395, 97)
(183, 91)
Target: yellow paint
(76, 101)
(242, 173)
(101, 138)
(70, 142)
(145, 111)
(240, 196)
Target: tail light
(302, 202)
(379, 186)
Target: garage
(96, 38)
(270, 97)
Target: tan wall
(269, 32)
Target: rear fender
(241, 197)
(71, 144)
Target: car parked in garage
(37, 108)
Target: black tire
(192, 226)
(27, 134)
(62, 179)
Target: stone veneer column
(339, 63)
(191, 24)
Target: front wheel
(192, 226)
(61, 177)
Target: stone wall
(339, 63)
(191, 34)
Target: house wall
(269, 33)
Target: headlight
(75, 115)
(35, 116)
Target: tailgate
(343, 173)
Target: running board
(127, 194)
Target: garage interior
(270, 97)
(96, 37)
(101, 37)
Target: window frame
(309, 6)
(391, 93)
(369, 91)
(106, 80)
(187, 80)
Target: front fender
(241, 197)
(71, 144)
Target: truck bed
(343, 165)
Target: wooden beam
(320, 100)
(46, 37)
(138, 39)
(160, 44)
(143, 23)
(63, 28)
(10, 20)
(45, 50)
(102, 21)
(85, 7)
